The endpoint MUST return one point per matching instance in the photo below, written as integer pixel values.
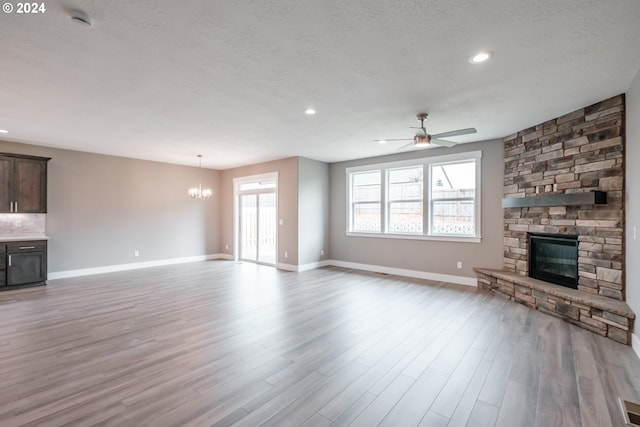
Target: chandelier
(199, 192)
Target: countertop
(22, 238)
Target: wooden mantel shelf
(569, 199)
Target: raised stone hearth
(604, 316)
(580, 152)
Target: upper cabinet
(23, 183)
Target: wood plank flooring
(225, 344)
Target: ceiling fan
(422, 139)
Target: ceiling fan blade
(443, 143)
(405, 146)
(393, 139)
(458, 132)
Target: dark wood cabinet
(6, 184)
(3, 266)
(23, 183)
(25, 263)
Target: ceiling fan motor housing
(422, 140)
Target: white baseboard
(313, 265)
(282, 266)
(303, 267)
(468, 281)
(635, 344)
(132, 266)
(287, 267)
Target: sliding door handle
(9, 260)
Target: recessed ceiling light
(480, 57)
(4, 131)
(381, 141)
(309, 111)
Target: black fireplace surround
(554, 258)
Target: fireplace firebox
(554, 258)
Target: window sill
(463, 239)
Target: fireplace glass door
(554, 259)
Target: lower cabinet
(25, 263)
(3, 266)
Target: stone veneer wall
(580, 151)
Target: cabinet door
(5, 184)
(3, 267)
(26, 267)
(30, 177)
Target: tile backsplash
(22, 225)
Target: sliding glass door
(257, 226)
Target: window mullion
(384, 220)
(477, 197)
(426, 200)
(350, 203)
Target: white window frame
(350, 211)
(426, 163)
(388, 202)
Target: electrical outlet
(19, 224)
(459, 265)
(226, 247)
(136, 253)
(286, 254)
(321, 251)
(281, 222)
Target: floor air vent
(630, 412)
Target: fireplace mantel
(565, 199)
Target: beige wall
(632, 248)
(287, 205)
(313, 211)
(424, 255)
(103, 208)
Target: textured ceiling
(230, 79)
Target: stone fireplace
(564, 200)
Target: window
(405, 200)
(429, 198)
(258, 185)
(366, 196)
(452, 198)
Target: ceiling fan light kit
(422, 139)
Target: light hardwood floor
(220, 343)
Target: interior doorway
(256, 221)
